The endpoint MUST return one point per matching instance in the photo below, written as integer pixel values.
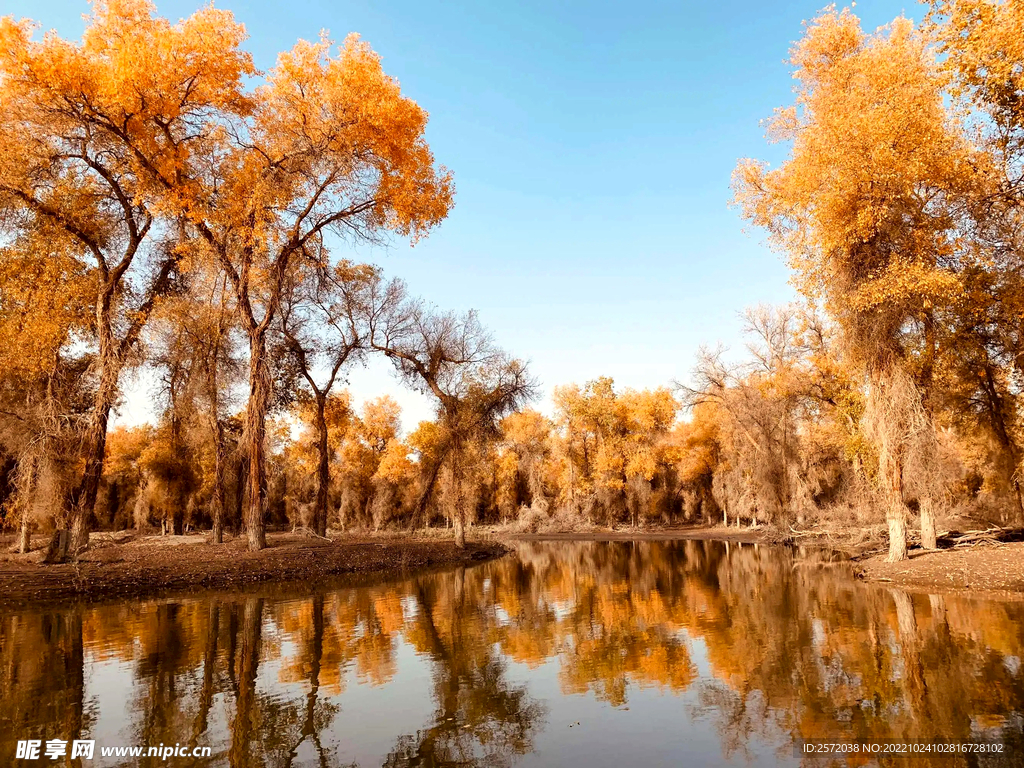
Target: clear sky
(592, 145)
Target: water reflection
(666, 653)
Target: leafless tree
(324, 326)
(451, 357)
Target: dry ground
(984, 567)
(126, 565)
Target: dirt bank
(983, 568)
(128, 566)
(121, 566)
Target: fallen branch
(804, 534)
(309, 532)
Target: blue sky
(592, 145)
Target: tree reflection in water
(763, 641)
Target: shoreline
(157, 566)
(693, 533)
(128, 566)
(995, 569)
(967, 571)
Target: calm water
(566, 654)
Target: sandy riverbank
(980, 568)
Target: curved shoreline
(129, 567)
(161, 566)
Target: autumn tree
(984, 61)
(614, 446)
(185, 349)
(649, 415)
(45, 319)
(756, 403)
(206, 338)
(698, 443)
(771, 433)
(452, 358)
(328, 145)
(302, 451)
(324, 326)
(867, 208)
(428, 444)
(171, 477)
(379, 427)
(86, 125)
(127, 485)
(261, 177)
(984, 55)
(523, 458)
(376, 476)
(577, 447)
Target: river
(589, 654)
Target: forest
(167, 207)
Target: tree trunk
(140, 510)
(57, 552)
(891, 467)
(460, 530)
(25, 534)
(177, 508)
(219, 497)
(241, 473)
(323, 469)
(217, 428)
(343, 511)
(25, 490)
(927, 524)
(94, 442)
(178, 516)
(419, 515)
(896, 509)
(896, 515)
(459, 505)
(94, 446)
(255, 440)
